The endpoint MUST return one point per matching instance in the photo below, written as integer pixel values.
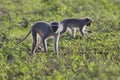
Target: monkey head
(55, 26)
(88, 21)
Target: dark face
(55, 26)
(88, 21)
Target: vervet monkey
(44, 30)
(73, 24)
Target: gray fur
(44, 30)
(75, 23)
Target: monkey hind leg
(39, 43)
(72, 32)
(34, 42)
(44, 44)
(40, 47)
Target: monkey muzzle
(89, 22)
(54, 28)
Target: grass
(94, 57)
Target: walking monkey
(44, 30)
(75, 23)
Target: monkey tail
(22, 39)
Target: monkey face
(88, 21)
(55, 26)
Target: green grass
(94, 57)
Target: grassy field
(94, 57)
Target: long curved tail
(23, 39)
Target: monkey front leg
(82, 32)
(56, 39)
(89, 31)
